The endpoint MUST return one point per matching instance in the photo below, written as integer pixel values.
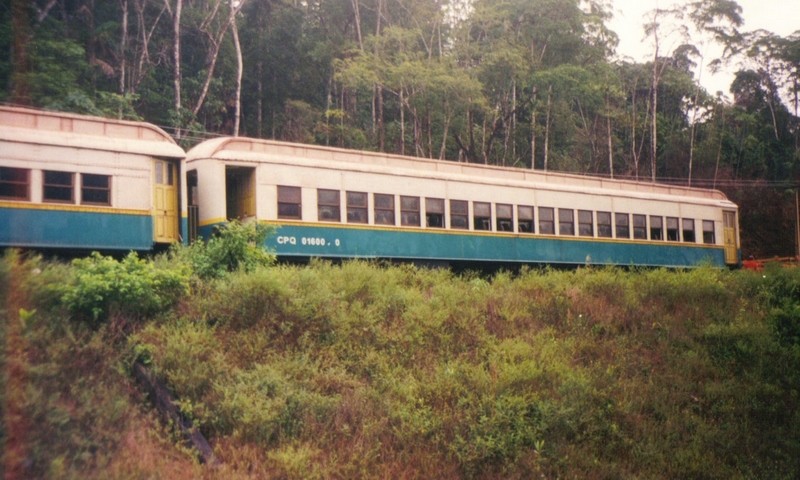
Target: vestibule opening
(240, 192)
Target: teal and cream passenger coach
(336, 203)
(80, 183)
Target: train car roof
(42, 127)
(249, 149)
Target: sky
(781, 17)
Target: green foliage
(133, 286)
(361, 370)
(235, 246)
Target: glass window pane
(708, 232)
(384, 209)
(482, 215)
(688, 230)
(525, 219)
(459, 207)
(640, 227)
(585, 223)
(656, 228)
(58, 186)
(95, 189)
(622, 223)
(566, 222)
(459, 214)
(547, 224)
(14, 183)
(604, 225)
(384, 202)
(672, 229)
(409, 211)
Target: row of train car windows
(551, 221)
(57, 186)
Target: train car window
(622, 224)
(357, 207)
(505, 217)
(95, 189)
(434, 212)
(708, 232)
(604, 225)
(566, 221)
(459, 214)
(547, 223)
(289, 202)
(639, 227)
(329, 205)
(672, 229)
(585, 223)
(656, 228)
(482, 215)
(524, 219)
(384, 209)
(15, 183)
(58, 187)
(409, 211)
(688, 230)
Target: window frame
(12, 183)
(459, 214)
(622, 225)
(688, 230)
(547, 220)
(335, 208)
(585, 224)
(504, 217)
(410, 207)
(50, 186)
(357, 207)
(482, 216)
(605, 227)
(434, 212)
(639, 226)
(527, 219)
(709, 234)
(566, 222)
(383, 214)
(656, 225)
(292, 197)
(93, 189)
(673, 233)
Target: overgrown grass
(362, 370)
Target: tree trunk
(610, 145)
(260, 102)
(176, 57)
(239, 69)
(20, 59)
(402, 123)
(547, 125)
(217, 44)
(533, 131)
(123, 43)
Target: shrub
(235, 246)
(132, 286)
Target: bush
(132, 286)
(235, 246)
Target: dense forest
(533, 84)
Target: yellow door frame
(165, 202)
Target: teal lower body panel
(33, 228)
(326, 241)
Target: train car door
(165, 203)
(240, 192)
(729, 237)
